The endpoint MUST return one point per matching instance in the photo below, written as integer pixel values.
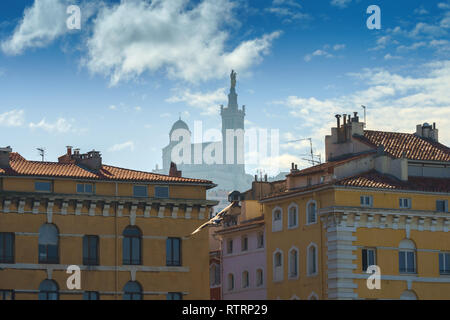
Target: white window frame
(243, 286)
(290, 275)
(280, 270)
(401, 203)
(312, 201)
(259, 285)
(367, 257)
(308, 259)
(407, 245)
(445, 205)
(364, 204)
(277, 225)
(446, 262)
(242, 243)
(293, 226)
(233, 282)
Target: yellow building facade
(381, 200)
(127, 231)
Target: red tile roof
(19, 166)
(373, 179)
(414, 147)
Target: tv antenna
(313, 156)
(364, 107)
(41, 153)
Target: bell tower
(233, 119)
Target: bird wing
(214, 220)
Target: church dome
(179, 124)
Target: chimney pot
(338, 118)
(4, 156)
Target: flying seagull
(216, 220)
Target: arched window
(277, 219)
(132, 291)
(245, 279)
(293, 263)
(407, 256)
(408, 295)
(312, 259)
(278, 266)
(132, 246)
(48, 243)
(311, 212)
(214, 275)
(48, 290)
(259, 277)
(230, 279)
(293, 216)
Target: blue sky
(118, 84)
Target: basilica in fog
(230, 175)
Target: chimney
(69, 150)
(173, 172)
(92, 160)
(256, 177)
(4, 156)
(338, 118)
(428, 131)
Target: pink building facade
(244, 260)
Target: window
(85, 188)
(405, 203)
(245, 279)
(293, 263)
(230, 279)
(7, 295)
(132, 239)
(259, 277)
(278, 266)
(244, 243)
(48, 244)
(90, 250)
(6, 247)
(91, 295)
(48, 290)
(161, 192)
(43, 186)
(407, 256)
(442, 205)
(366, 201)
(312, 259)
(308, 181)
(140, 191)
(444, 262)
(292, 216)
(214, 275)
(261, 240)
(173, 252)
(368, 258)
(277, 219)
(132, 291)
(174, 296)
(230, 246)
(311, 210)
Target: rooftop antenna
(41, 152)
(364, 107)
(313, 156)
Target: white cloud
(338, 47)
(340, 3)
(61, 125)
(165, 115)
(133, 37)
(13, 118)
(112, 107)
(42, 23)
(122, 146)
(388, 56)
(443, 5)
(394, 102)
(318, 53)
(207, 102)
(138, 108)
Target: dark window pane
(161, 192)
(136, 250)
(401, 261)
(140, 191)
(126, 250)
(410, 262)
(364, 259)
(43, 186)
(88, 188)
(80, 188)
(371, 254)
(441, 263)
